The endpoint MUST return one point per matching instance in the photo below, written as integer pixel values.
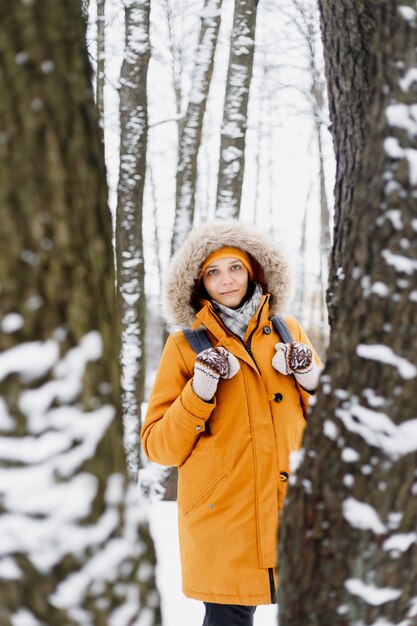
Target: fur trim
(271, 269)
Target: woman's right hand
(211, 365)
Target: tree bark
(347, 537)
(348, 93)
(129, 238)
(233, 136)
(190, 129)
(75, 548)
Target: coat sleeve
(300, 336)
(176, 416)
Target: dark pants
(228, 615)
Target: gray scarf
(237, 320)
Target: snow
(394, 150)
(30, 359)
(409, 78)
(378, 430)
(7, 423)
(9, 569)
(21, 58)
(11, 323)
(403, 116)
(177, 610)
(348, 480)
(394, 519)
(384, 354)
(407, 12)
(375, 596)
(349, 455)
(330, 430)
(401, 542)
(23, 617)
(362, 516)
(380, 289)
(47, 66)
(400, 263)
(296, 458)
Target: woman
(230, 416)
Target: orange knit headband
(225, 252)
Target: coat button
(278, 397)
(198, 427)
(267, 330)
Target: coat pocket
(205, 494)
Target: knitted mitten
(297, 358)
(209, 366)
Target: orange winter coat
(232, 455)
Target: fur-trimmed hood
(271, 268)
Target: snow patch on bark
(378, 430)
(407, 12)
(31, 360)
(376, 596)
(11, 323)
(362, 516)
(384, 354)
(400, 541)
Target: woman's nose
(226, 278)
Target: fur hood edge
(271, 268)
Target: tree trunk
(101, 58)
(85, 8)
(74, 547)
(191, 128)
(348, 92)
(348, 534)
(129, 240)
(233, 136)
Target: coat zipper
(272, 586)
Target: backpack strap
(197, 339)
(282, 329)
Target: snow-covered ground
(177, 610)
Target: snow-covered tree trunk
(190, 129)
(348, 540)
(85, 7)
(129, 240)
(235, 117)
(74, 548)
(101, 57)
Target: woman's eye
(211, 272)
(236, 267)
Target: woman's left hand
(297, 359)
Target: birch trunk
(190, 130)
(233, 136)
(129, 238)
(74, 546)
(348, 534)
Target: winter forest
(123, 125)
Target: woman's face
(226, 281)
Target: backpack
(199, 340)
